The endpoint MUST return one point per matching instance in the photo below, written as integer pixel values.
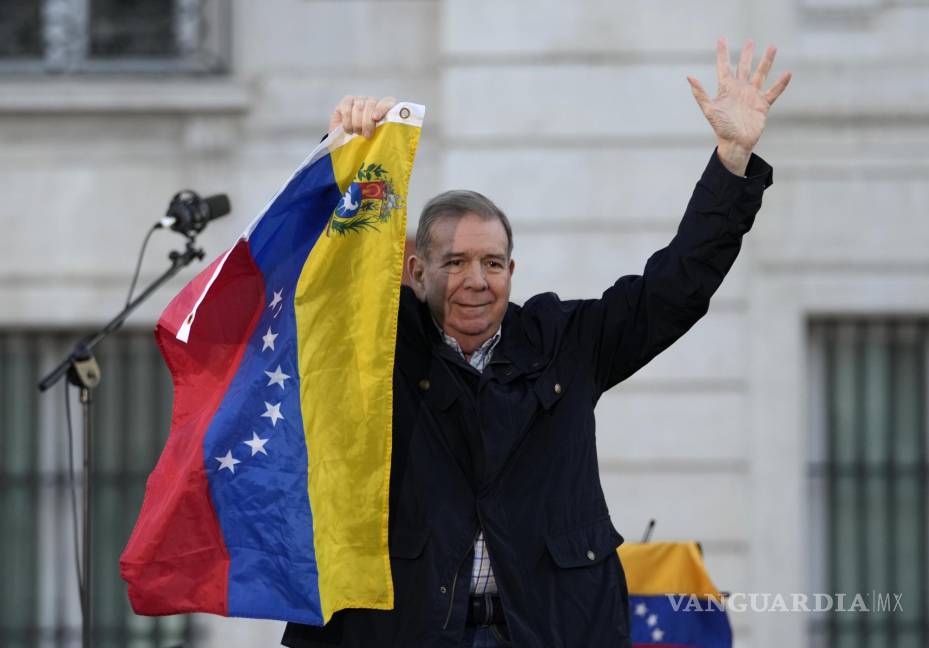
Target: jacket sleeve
(641, 315)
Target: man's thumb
(699, 93)
(334, 121)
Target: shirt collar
(481, 356)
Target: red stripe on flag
(176, 559)
(183, 303)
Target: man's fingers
(342, 114)
(723, 71)
(758, 78)
(345, 112)
(778, 87)
(357, 115)
(703, 100)
(745, 60)
(368, 118)
(360, 114)
(383, 106)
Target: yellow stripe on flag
(655, 568)
(346, 310)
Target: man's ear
(416, 267)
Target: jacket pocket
(584, 546)
(554, 381)
(408, 544)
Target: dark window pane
(20, 29)
(875, 470)
(38, 596)
(132, 28)
(19, 489)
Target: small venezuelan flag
(673, 602)
(270, 498)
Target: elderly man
(499, 530)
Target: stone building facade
(577, 119)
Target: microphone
(188, 213)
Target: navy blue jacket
(512, 450)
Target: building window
(20, 30)
(87, 36)
(869, 495)
(132, 29)
(39, 602)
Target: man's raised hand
(738, 111)
(360, 114)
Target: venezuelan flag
(270, 498)
(673, 602)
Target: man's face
(466, 277)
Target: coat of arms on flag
(270, 498)
(369, 200)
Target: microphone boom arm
(82, 351)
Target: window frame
(66, 34)
(826, 468)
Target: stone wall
(576, 117)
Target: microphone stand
(83, 371)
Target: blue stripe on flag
(263, 506)
(655, 621)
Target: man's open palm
(738, 111)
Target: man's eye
(454, 263)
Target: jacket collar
(420, 342)
(515, 347)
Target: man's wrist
(734, 157)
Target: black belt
(485, 610)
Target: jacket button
(424, 384)
(442, 589)
(557, 388)
(591, 555)
(508, 371)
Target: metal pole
(87, 612)
(82, 370)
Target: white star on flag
(272, 412)
(276, 377)
(257, 444)
(640, 609)
(657, 634)
(652, 619)
(276, 299)
(227, 461)
(268, 339)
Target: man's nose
(474, 276)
